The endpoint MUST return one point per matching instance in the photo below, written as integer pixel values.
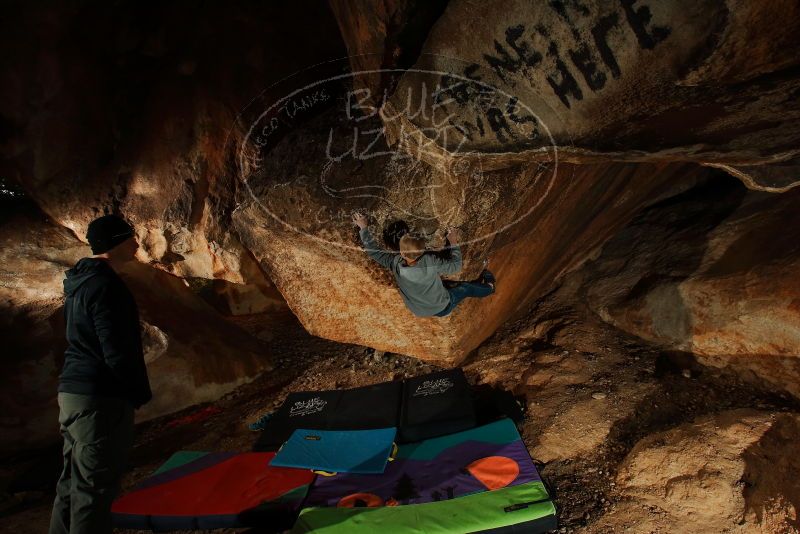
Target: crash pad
(436, 404)
(342, 451)
(196, 490)
(421, 407)
(485, 458)
(365, 408)
(514, 509)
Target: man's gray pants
(98, 435)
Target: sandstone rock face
(256, 296)
(384, 37)
(294, 216)
(714, 278)
(33, 258)
(775, 177)
(152, 137)
(731, 472)
(192, 354)
(502, 95)
(584, 427)
(633, 80)
(581, 395)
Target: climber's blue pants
(463, 290)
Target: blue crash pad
(338, 451)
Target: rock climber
(103, 381)
(417, 272)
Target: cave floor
(590, 394)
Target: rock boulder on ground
(533, 223)
(730, 472)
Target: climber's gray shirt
(419, 284)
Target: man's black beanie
(107, 232)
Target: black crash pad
(436, 404)
(421, 407)
(364, 408)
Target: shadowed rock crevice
(384, 35)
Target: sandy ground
(589, 395)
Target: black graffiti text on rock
(566, 85)
(593, 60)
(638, 19)
(523, 55)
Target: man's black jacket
(104, 354)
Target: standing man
(104, 379)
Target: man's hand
(454, 236)
(360, 220)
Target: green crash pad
(499, 509)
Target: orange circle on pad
(494, 472)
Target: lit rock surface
(193, 354)
(634, 80)
(557, 82)
(584, 427)
(33, 257)
(713, 278)
(152, 138)
(730, 472)
(534, 223)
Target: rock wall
(631, 80)
(731, 472)
(534, 223)
(383, 38)
(135, 109)
(710, 272)
(33, 257)
(507, 86)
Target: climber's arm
(373, 250)
(452, 265)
